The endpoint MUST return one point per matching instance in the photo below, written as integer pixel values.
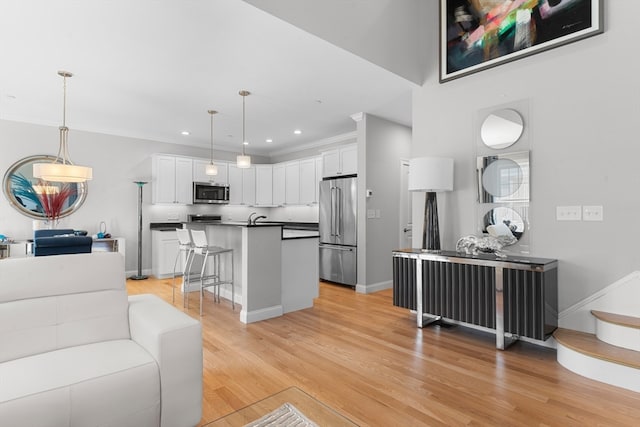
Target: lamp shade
(211, 170)
(243, 162)
(431, 174)
(59, 172)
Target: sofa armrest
(175, 341)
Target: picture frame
(479, 34)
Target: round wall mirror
(30, 196)
(503, 221)
(501, 129)
(502, 177)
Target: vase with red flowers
(54, 198)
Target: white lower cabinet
(164, 249)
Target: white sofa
(76, 351)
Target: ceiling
(150, 69)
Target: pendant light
(62, 169)
(211, 169)
(243, 161)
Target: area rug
(285, 416)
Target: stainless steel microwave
(210, 193)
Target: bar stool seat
(213, 278)
(185, 246)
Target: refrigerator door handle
(333, 214)
(337, 248)
(339, 210)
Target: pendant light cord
(211, 113)
(63, 148)
(243, 137)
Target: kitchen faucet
(250, 219)
(255, 221)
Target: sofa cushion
(109, 383)
(51, 303)
(33, 277)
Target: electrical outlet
(371, 213)
(592, 213)
(569, 213)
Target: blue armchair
(60, 242)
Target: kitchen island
(275, 267)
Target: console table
(515, 296)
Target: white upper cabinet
(199, 172)
(172, 179)
(242, 185)
(235, 185)
(340, 161)
(279, 184)
(249, 186)
(264, 185)
(308, 183)
(318, 178)
(292, 184)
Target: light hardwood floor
(366, 359)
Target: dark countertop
(290, 230)
(165, 226)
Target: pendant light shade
(211, 169)
(62, 169)
(243, 161)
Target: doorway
(405, 231)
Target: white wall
(384, 32)
(382, 146)
(583, 115)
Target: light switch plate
(569, 213)
(592, 213)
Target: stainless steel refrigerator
(338, 230)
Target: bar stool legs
(184, 245)
(215, 276)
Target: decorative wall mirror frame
(502, 128)
(30, 208)
(503, 178)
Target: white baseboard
(375, 287)
(262, 314)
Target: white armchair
(76, 351)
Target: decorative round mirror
(501, 129)
(502, 177)
(503, 221)
(41, 199)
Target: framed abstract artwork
(480, 34)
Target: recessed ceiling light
(245, 143)
(269, 141)
(297, 131)
(185, 132)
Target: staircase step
(590, 345)
(617, 319)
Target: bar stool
(201, 247)
(185, 245)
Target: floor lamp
(139, 276)
(429, 175)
